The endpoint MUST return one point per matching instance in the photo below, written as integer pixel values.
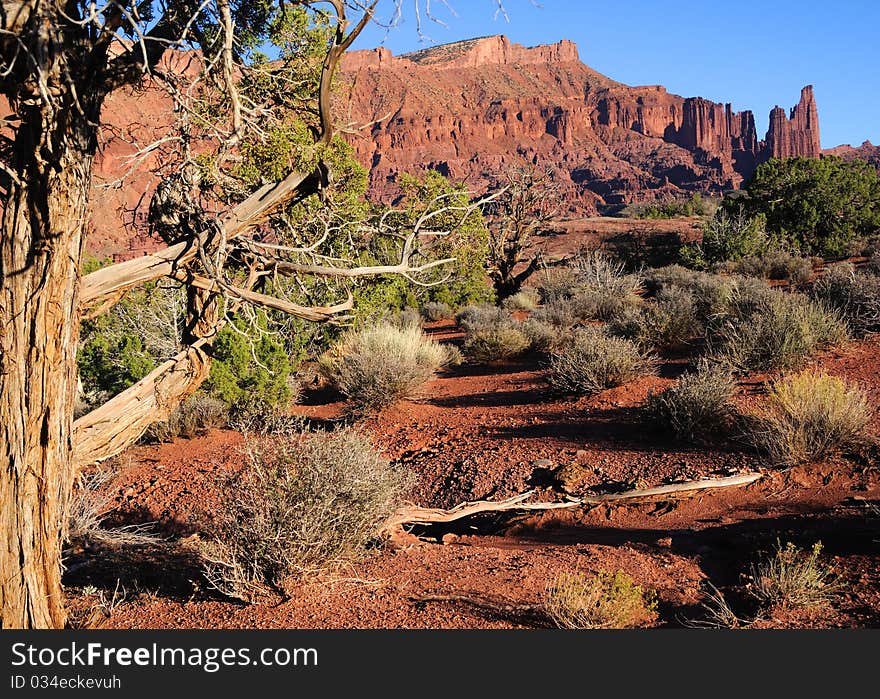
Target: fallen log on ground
(520, 503)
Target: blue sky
(755, 54)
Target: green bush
(603, 601)
(808, 416)
(250, 364)
(821, 204)
(302, 503)
(855, 295)
(673, 208)
(698, 405)
(376, 367)
(590, 361)
(727, 237)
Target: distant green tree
(819, 204)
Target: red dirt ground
(486, 432)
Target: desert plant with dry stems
(794, 577)
(698, 405)
(301, 505)
(602, 601)
(589, 361)
(378, 366)
(808, 416)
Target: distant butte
(472, 108)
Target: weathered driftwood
(520, 503)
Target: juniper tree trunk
(44, 192)
(42, 232)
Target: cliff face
(472, 108)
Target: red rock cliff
(472, 108)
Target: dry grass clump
(90, 503)
(698, 404)
(589, 361)
(793, 577)
(378, 366)
(779, 265)
(503, 340)
(769, 329)
(433, 311)
(523, 300)
(671, 320)
(855, 295)
(198, 413)
(301, 505)
(808, 416)
(603, 601)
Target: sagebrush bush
(557, 283)
(472, 317)
(855, 295)
(672, 319)
(560, 313)
(496, 341)
(794, 578)
(523, 300)
(698, 405)
(589, 361)
(778, 265)
(191, 418)
(378, 366)
(774, 330)
(602, 601)
(542, 336)
(807, 416)
(301, 504)
(434, 311)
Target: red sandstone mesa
(471, 108)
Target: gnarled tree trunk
(43, 218)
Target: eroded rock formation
(472, 108)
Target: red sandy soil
(486, 432)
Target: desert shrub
(301, 504)
(727, 237)
(478, 316)
(560, 313)
(191, 418)
(671, 276)
(375, 367)
(855, 295)
(768, 329)
(542, 336)
(808, 416)
(589, 361)
(557, 283)
(91, 500)
(698, 404)
(494, 341)
(794, 578)
(777, 265)
(602, 601)
(671, 320)
(523, 300)
(434, 311)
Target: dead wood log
(425, 515)
(121, 421)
